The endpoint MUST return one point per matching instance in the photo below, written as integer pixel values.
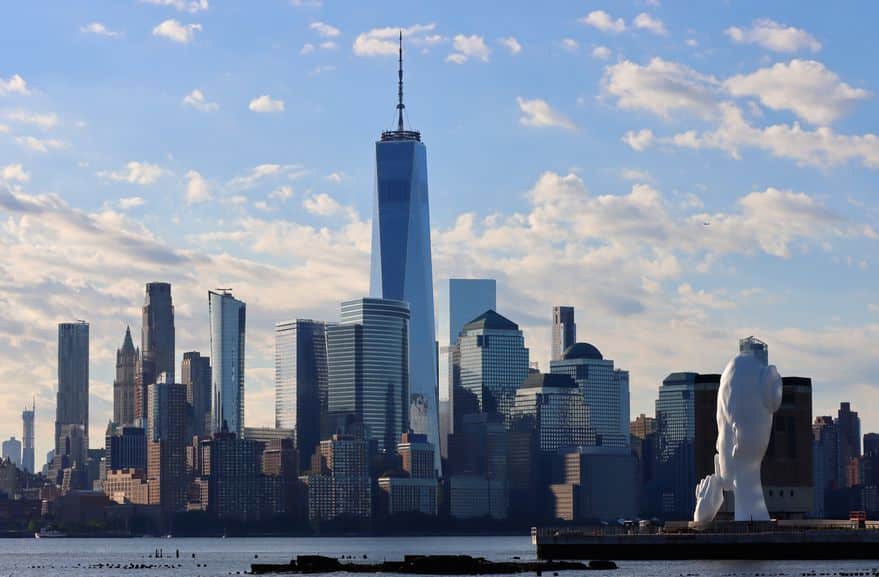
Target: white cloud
(647, 22)
(805, 87)
(307, 48)
(197, 100)
(384, 41)
(467, 47)
(538, 113)
(821, 147)
(511, 44)
(321, 69)
(283, 192)
(191, 6)
(130, 202)
(262, 171)
(335, 177)
(14, 173)
(321, 204)
(41, 144)
(325, 30)
(603, 21)
(770, 35)
(635, 175)
(640, 140)
(14, 85)
(177, 32)
(44, 121)
(601, 53)
(329, 45)
(197, 188)
(135, 172)
(99, 29)
(266, 103)
(570, 44)
(661, 87)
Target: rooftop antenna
(400, 105)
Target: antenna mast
(400, 105)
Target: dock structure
(772, 540)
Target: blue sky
(685, 174)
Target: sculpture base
(771, 540)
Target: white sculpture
(750, 392)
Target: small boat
(49, 534)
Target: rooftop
(582, 351)
(491, 320)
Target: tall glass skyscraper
(301, 382)
(368, 362)
(401, 266)
(72, 408)
(227, 351)
(27, 450)
(564, 331)
(157, 344)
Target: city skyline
(680, 272)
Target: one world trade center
(401, 266)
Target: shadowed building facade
(157, 343)
(228, 316)
(196, 376)
(72, 408)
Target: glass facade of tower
(227, 351)
(368, 368)
(676, 435)
(301, 382)
(401, 267)
(72, 402)
(552, 406)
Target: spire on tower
(400, 105)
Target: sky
(684, 174)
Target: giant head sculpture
(750, 392)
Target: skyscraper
(228, 317)
(848, 425)
(12, 451)
(564, 331)
(468, 298)
(72, 401)
(196, 376)
(124, 384)
(157, 343)
(368, 368)
(166, 444)
(553, 407)
(301, 382)
(27, 435)
(494, 363)
(604, 388)
(401, 266)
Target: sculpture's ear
(771, 388)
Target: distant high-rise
(468, 298)
(493, 364)
(228, 316)
(301, 382)
(166, 444)
(871, 444)
(196, 376)
(27, 452)
(756, 347)
(605, 389)
(12, 451)
(848, 426)
(552, 406)
(564, 331)
(157, 343)
(124, 384)
(72, 401)
(401, 267)
(368, 369)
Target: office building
(12, 451)
(157, 348)
(595, 483)
(166, 444)
(756, 347)
(871, 444)
(417, 488)
(195, 374)
(228, 317)
(642, 426)
(825, 451)
(475, 496)
(301, 382)
(478, 473)
(468, 298)
(339, 483)
(72, 401)
(552, 406)
(368, 368)
(126, 448)
(493, 364)
(27, 449)
(604, 389)
(848, 427)
(416, 456)
(124, 383)
(401, 267)
(564, 331)
(231, 469)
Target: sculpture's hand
(709, 499)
